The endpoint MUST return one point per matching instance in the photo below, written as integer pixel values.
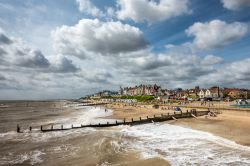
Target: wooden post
(147, 117)
(116, 122)
(140, 118)
(99, 124)
(18, 128)
(132, 119)
(30, 128)
(41, 128)
(72, 126)
(154, 116)
(124, 120)
(107, 123)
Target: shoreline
(232, 125)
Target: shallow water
(122, 145)
(242, 106)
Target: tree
(225, 94)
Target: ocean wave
(33, 157)
(184, 146)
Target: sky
(64, 49)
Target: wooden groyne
(132, 121)
(217, 108)
(92, 104)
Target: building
(236, 94)
(105, 93)
(211, 93)
(202, 94)
(193, 93)
(141, 90)
(215, 92)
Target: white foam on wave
(33, 157)
(94, 114)
(84, 115)
(44, 137)
(183, 146)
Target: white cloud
(163, 68)
(211, 60)
(235, 4)
(86, 6)
(151, 11)
(25, 71)
(16, 54)
(110, 12)
(216, 33)
(231, 74)
(94, 36)
(173, 69)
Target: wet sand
(233, 125)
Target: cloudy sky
(67, 49)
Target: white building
(201, 94)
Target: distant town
(155, 92)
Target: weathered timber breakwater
(132, 121)
(92, 104)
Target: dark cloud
(65, 65)
(231, 74)
(4, 39)
(2, 78)
(97, 77)
(36, 61)
(19, 54)
(2, 52)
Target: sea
(242, 106)
(148, 144)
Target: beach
(167, 143)
(233, 125)
(129, 111)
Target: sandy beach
(168, 143)
(128, 111)
(233, 125)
